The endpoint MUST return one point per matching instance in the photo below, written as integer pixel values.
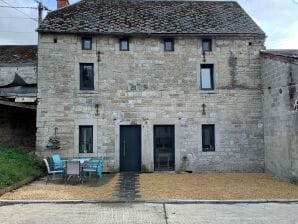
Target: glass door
(164, 147)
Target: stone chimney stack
(62, 3)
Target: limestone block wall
(148, 86)
(280, 120)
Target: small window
(86, 76)
(86, 139)
(86, 43)
(207, 45)
(207, 82)
(208, 139)
(124, 44)
(169, 44)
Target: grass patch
(16, 165)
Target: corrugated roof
(18, 55)
(291, 53)
(151, 17)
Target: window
(85, 139)
(86, 43)
(86, 76)
(208, 140)
(207, 45)
(169, 44)
(124, 44)
(207, 77)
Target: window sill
(87, 51)
(87, 155)
(213, 91)
(83, 92)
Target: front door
(130, 148)
(164, 147)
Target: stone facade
(280, 78)
(148, 86)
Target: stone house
(18, 91)
(280, 109)
(153, 85)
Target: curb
(13, 202)
(19, 184)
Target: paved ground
(150, 213)
(128, 186)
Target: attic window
(207, 45)
(86, 43)
(169, 44)
(124, 44)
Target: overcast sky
(278, 18)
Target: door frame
(174, 147)
(140, 154)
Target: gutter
(41, 31)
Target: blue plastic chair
(58, 163)
(94, 165)
(52, 172)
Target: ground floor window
(208, 137)
(85, 139)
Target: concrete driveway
(143, 213)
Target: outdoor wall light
(203, 109)
(97, 109)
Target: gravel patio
(164, 186)
(214, 186)
(56, 190)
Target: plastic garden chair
(99, 163)
(73, 168)
(51, 171)
(58, 163)
(93, 166)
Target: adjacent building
(18, 92)
(280, 109)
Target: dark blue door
(130, 148)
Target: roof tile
(151, 17)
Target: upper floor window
(124, 44)
(169, 44)
(207, 79)
(208, 139)
(86, 76)
(85, 139)
(86, 43)
(207, 45)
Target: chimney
(62, 3)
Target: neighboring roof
(151, 17)
(290, 55)
(19, 91)
(18, 88)
(11, 55)
(17, 81)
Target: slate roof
(151, 17)
(11, 55)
